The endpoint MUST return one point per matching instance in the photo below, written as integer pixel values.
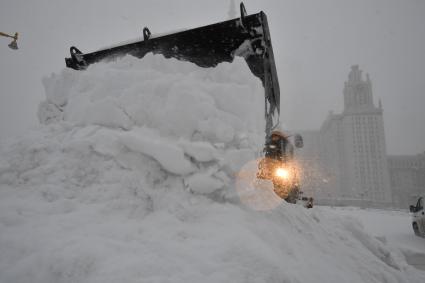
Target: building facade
(407, 178)
(345, 162)
(352, 146)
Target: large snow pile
(132, 180)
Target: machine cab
(279, 147)
(418, 217)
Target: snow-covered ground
(133, 176)
(392, 227)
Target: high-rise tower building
(353, 149)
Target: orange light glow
(282, 173)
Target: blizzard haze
(148, 169)
(315, 43)
(83, 200)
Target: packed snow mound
(133, 180)
(186, 118)
(175, 98)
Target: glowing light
(282, 173)
(254, 192)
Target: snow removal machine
(247, 36)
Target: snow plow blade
(247, 36)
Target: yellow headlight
(282, 173)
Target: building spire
(355, 74)
(358, 91)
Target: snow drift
(132, 179)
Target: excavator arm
(247, 36)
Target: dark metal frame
(206, 47)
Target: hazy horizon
(315, 44)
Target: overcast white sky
(315, 43)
